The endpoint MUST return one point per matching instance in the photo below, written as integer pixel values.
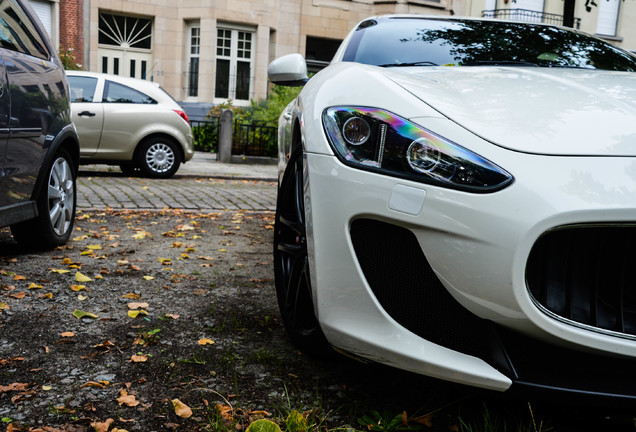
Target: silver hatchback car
(129, 122)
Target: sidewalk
(205, 165)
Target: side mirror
(289, 70)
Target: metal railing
(251, 139)
(248, 139)
(527, 15)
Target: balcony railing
(526, 15)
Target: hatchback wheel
(159, 158)
(56, 207)
(291, 264)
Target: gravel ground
(144, 308)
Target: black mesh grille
(404, 283)
(587, 275)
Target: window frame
(235, 48)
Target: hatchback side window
(18, 33)
(82, 88)
(119, 93)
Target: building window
(125, 31)
(607, 17)
(234, 53)
(194, 48)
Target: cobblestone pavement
(116, 191)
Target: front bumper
(476, 247)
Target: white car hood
(534, 110)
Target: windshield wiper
(420, 63)
(499, 63)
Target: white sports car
(457, 198)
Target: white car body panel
(566, 136)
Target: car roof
(153, 89)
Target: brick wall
(71, 28)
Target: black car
(39, 147)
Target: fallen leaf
(19, 295)
(148, 277)
(205, 341)
(137, 305)
(132, 296)
(79, 277)
(94, 247)
(47, 387)
(60, 271)
(94, 384)
(4, 306)
(173, 316)
(181, 409)
(136, 313)
(82, 314)
(126, 399)
(102, 426)
(78, 287)
(138, 359)
(47, 295)
(35, 286)
(67, 334)
(81, 297)
(18, 277)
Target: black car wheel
(291, 264)
(159, 158)
(56, 207)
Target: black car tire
(56, 204)
(291, 264)
(158, 157)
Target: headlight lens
(376, 140)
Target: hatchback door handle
(87, 114)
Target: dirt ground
(144, 308)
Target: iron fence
(251, 139)
(248, 139)
(527, 15)
(206, 134)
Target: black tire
(158, 157)
(129, 169)
(56, 204)
(291, 264)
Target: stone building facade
(204, 52)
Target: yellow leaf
(222, 250)
(4, 306)
(47, 295)
(136, 313)
(205, 341)
(94, 247)
(79, 277)
(87, 252)
(80, 238)
(18, 277)
(82, 314)
(35, 286)
(141, 235)
(122, 262)
(164, 260)
(78, 287)
(148, 277)
(60, 271)
(132, 296)
(46, 387)
(81, 297)
(67, 261)
(181, 409)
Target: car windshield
(394, 42)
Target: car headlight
(376, 140)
